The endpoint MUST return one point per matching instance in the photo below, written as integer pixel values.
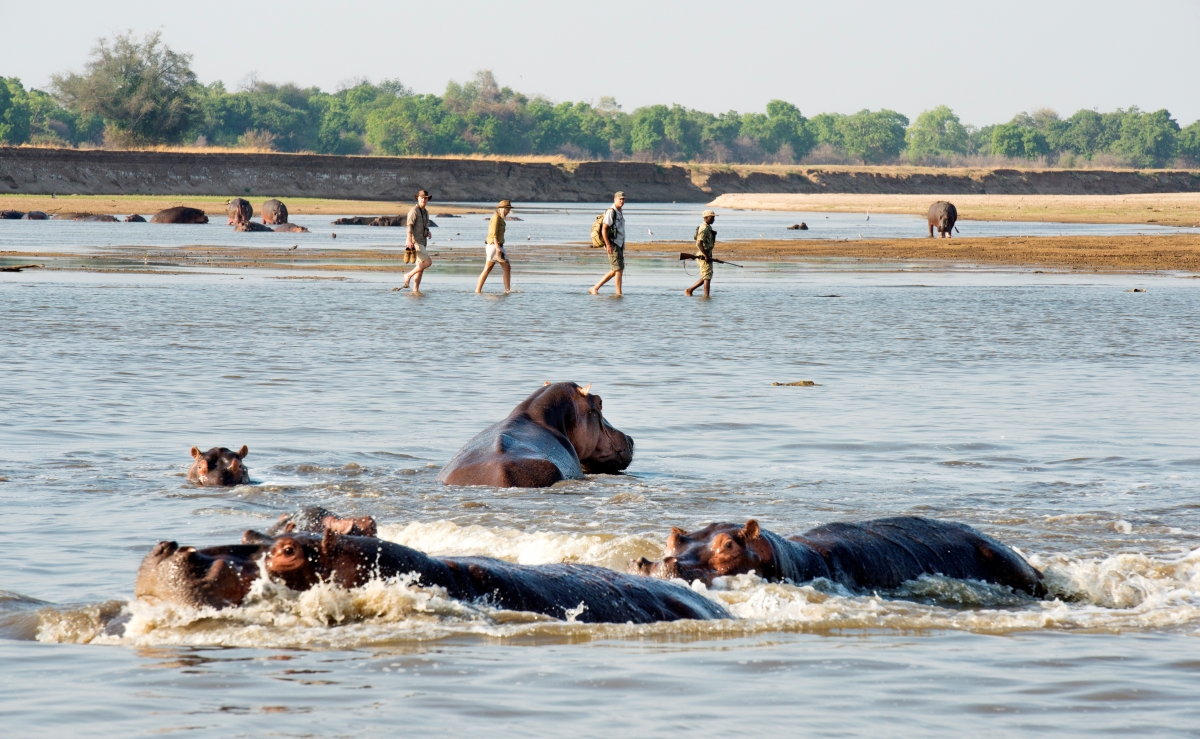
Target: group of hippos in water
(557, 433)
(274, 216)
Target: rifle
(685, 255)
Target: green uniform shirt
(706, 239)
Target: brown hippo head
(274, 212)
(716, 550)
(601, 448)
(219, 467)
(239, 209)
(317, 520)
(216, 577)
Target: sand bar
(210, 204)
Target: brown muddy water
(1054, 412)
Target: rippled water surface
(1054, 412)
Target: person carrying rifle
(706, 239)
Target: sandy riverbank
(211, 204)
(1165, 209)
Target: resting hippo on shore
(135, 218)
(180, 214)
(35, 215)
(274, 212)
(880, 554)
(240, 211)
(11, 215)
(221, 576)
(942, 216)
(558, 433)
(219, 467)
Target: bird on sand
(293, 247)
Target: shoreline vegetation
(1063, 254)
(136, 92)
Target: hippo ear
(751, 530)
(241, 453)
(328, 542)
(677, 535)
(544, 384)
(584, 390)
(289, 527)
(195, 453)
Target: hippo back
(514, 453)
(180, 214)
(274, 212)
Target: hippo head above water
(201, 578)
(716, 550)
(602, 449)
(219, 467)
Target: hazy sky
(987, 60)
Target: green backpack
(598, 231)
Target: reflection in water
(1051, 412)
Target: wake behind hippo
(222, 576)
(557, 433)
(879, 554)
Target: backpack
(598, 230)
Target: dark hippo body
(239, 210)
(274, 212)
(11, 215)
(180, 214)
(316, 520)
(942, 216)
(880, 554)
(219, 467)
(557, 433)
(289, 228)
(251, 227)
(135, 218)
(354, 221)
(93, 217)
(35, 215)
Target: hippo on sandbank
(11, 215)
(219, 467)
(221, 576)
(239, 210)
(36, 215)
(942, 216)
(557, 433)
(135, 218)
(274, 212)
(880, 554)
(179, 214)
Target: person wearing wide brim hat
(706, 239)
(494, 247)
(418, 239)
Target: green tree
(783, 125)
(417, 124)
(873, 137)
(143, 90)
(1147, 139)
(1188, 143)
(824, 127)
(937, 133)
(14, 112)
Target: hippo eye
(289, 551)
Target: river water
(1054, 412)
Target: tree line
(139, 92)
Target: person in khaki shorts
(495, 247)
(706, 239)
(614, 243)
(418, 238)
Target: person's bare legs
(415, 275)
(692, 289)
(620, 273)
(507, 275)
(487, 270)
(596, 288)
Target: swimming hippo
(878, 554)
(36, 215)
(290, 228)
(219, 467)
(558, 433)
(11, 215)
(221, 576)
(274, 212)
(94, 217)
(354, 221)
(239, 210)
(135, 218)
(251, 227)
(179, 214)
(942, 216)
(317, 520)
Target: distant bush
(937, 133)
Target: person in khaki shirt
(418, 237)
(613, 232)
(706, 239)
(494, 250)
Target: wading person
(706, 239)
(613, 230)
(418, 238)
(494, 251)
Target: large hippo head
(217, 577)
(716, 550)
(239, 209)
(600, 447)
(219, 467)
(274, 212)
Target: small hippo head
(317, 520)
(294, 564)
(216, 577)
(714, 551)
(601, 448)
(219, 467)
